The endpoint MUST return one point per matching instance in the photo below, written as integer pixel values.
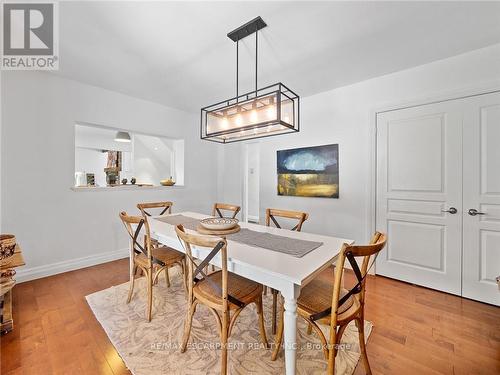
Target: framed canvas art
(309, 171)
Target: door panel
(481, 235)
(419, 175)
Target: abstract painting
(309, 171)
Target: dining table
(283, 272)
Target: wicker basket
(7, 245)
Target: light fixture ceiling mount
(272, 110)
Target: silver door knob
(474, 212)
(451, 210)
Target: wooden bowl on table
(218, 226)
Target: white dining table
(283, 272)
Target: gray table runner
(186, 221)
(291, 246)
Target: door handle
(451, 210)
(474, 212)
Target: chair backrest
(194, 269)
(351, 252)
(273, 213)
(219, 207)
(163, 207)
(135, 225)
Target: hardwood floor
(416, 330)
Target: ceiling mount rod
(247, 29)
(241, 32)
(237, 54)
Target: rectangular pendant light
(272, 110)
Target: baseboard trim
(33, 273)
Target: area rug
(150, 348)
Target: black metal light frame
(281, 91)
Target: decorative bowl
(7, 245)
(168, 182)
(217, 223)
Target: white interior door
(481, 236)
(419, 178)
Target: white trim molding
(27, 274)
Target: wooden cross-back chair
(150, 260)
(271, 215)
(161, 208)
(325, 302)
(219, 207)
(222, 292)
(155, 209)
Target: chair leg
(362, 345)
(184, 276)
(275, 298)
(262, 327)
(332, 353)
(233, 320)
(224, 332)
(167, 278)
(155, 276)
(149, 276)
(278, 339)
(187, 325)
(131, 283)
(217, 318)
(321, 337)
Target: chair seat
(317, 296)
(244, 290)
(165, 254)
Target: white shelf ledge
(124, 187)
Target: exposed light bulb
(271, 112)
(225, 123)
(253, 116)
(238, 120)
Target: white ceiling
(177, 53)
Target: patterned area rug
(153, 348)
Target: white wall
(149, 167)
(346, 116)
(54, 224)
(253, 184)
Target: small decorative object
(80, 179)
(90, 179)
(7, 245)
(213, 223)
(133, 180)
(168, 182)
(309, 171)
(112, 175)
(124, 181)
